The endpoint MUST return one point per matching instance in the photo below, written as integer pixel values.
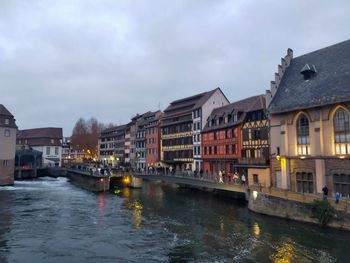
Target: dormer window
(308, 71)
(7, 121)
(235, 117)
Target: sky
(111, 59)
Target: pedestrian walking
(220, 177)
(325, 192)
(337, 197)
(243, 179)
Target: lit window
(303, 135)
(341, 132)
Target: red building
(221, 141)
(153, 133)
(235, 140)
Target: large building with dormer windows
(181, 125)
(8, 129)
(235, 141)
(309, 113)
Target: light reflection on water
(50, 220)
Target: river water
(51, 220)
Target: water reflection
(52, 221)
(256, 229)
(285, 253)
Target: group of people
(325, 195)
(235, 178)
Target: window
(227, 135)
(205, 150)
(342, 184)
(7, 121)
(56, 150)
(7, 133)
(5, 163)
(303, 135)
(52, 141)
(47, 150)
(234, 148)
(234, 132)
(305, 182)
(209, 149)
(215, 150)
(227, 149)
(256, 134)
(341, 132)
(255, 179)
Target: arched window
(303, 135)
(341, 132)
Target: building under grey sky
(61, 60)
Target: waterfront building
(70, 155)
(111, 146)
(8, 129)
(181, 126)
(46, 140)
(235, 141)
(153, 133)
(142, 124)
(309, 112)
(127, 145)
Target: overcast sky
(110, 59)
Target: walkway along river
(51, 220)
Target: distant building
(112, 146)
(153, 132)
(142, 124)
(182, 123)
(8, 129)
(46, 140)
(309, 112)
(71, 156)
(235, 141)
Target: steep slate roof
(185, 106)
(40, 133)
(114, 129)
(244, 106)
(329, 85)
(4, 111)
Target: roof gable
(330, 83)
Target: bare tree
(85, 137)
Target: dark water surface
(50, 220)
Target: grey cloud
(61, 60)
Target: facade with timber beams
(235, 141)
(181, 126)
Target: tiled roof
(4, 111)
(244, 106)
(40, 133)
(329, 85)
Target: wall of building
(263, 176)
(215, 101)
(7, 156)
